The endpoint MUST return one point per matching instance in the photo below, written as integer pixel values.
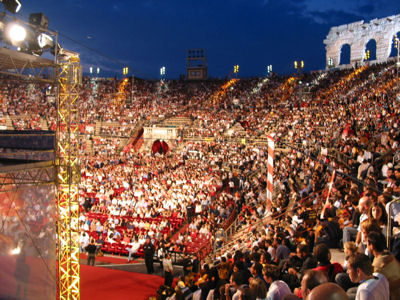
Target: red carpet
(96, 282)
(102, 283)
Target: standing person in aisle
(149, 250)
(91, 250)
(168, 269)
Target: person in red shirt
(323, 256)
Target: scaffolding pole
(68, 174)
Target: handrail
(339, 156)
(233, 227)
(389, 231)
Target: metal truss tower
(67, 70)
(68, 171)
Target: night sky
(148, 34)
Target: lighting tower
(367, 55)
(236, 70)
(299, 66)
(68, 74)
(269, 70)
(162, 72)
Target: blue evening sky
(148, 34)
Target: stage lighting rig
(23, 38)
(13, 6)
(32, 38)
(39, 22)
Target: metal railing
(389, 229)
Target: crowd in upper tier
(336, 168)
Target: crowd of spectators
(357, 116)
(334, 175)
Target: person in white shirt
(373, 286)
(168, 269)
(83, 241)
(278, 288)
(133, 248)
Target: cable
(92, 49)
(105, 56)
(134, 71)
(110, 58)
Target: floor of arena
(115, 278)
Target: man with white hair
(364, 205)
(350, 232)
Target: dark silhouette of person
(149, 250)
(21, 273)
(91, 250)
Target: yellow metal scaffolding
(68, 174)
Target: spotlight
(13, 6)
(45, 41)
(33, 47)
(15, 33)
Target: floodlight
(13, 6)
(15, 33)
(45, 41)
(32, 47)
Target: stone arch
(357, 35)
(345, 54)
(393, 50)
(370, 50)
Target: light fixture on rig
(13, 6)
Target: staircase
(89, 146)
(9, 123)
(97, 128)
(43, 124)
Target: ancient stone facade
(357, 35)
(160, 133)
